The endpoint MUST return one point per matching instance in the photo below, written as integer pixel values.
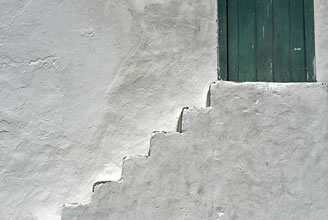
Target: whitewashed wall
(84, 83)
(321, 30)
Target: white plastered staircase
(257, 151)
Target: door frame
(223, 62)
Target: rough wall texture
(84, 83)
(259, 152)
(321, 30)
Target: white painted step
(260, 151)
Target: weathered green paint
(310, 40)
(281, 41)
(297, 41)
(222, 37)
(247, 45)
(266, 40)
(233, 42)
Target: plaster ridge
(42, 60)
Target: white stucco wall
(321, 31)
(84, 83)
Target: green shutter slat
(264, 39)
(298, 73)
(222, 35)
(281, 35)
(233, 35)
(309, 39)
(247, 38)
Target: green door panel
(309, 40)
(247, 44)
(281, 36)
(233, 36)
(266, 40)
(297, 41)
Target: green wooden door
(266, 40)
